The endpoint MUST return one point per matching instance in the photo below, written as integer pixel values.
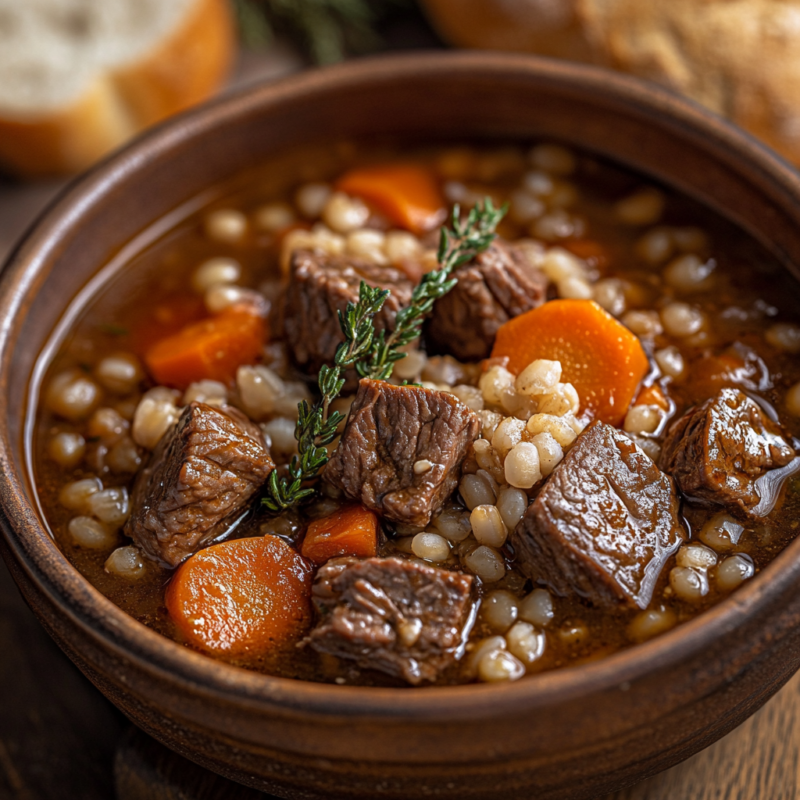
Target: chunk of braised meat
(198, 480)
(719, 450)
(398, 616)
(401, 450)
(498, 284)
(604, 524)
(319, 288)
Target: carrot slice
(241, 597)
(350, 531)
(212, 349)
(652, 396)
(599, 356)
(408, 194)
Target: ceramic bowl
(575, 733)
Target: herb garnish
(374, 356)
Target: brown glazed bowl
(574, 733)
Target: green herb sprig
(326, 30)
(316, 424)
(457, 245)
(374, 356)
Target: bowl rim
(39, 557)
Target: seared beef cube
(603, 525)
(499, 284)
(718, 450)
(390, 614)
(198, 480)
(401, 450)
(319, 288)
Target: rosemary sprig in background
(374, 356)
(327, 30)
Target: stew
(307, 433)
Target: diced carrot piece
(241, 597)
(652, 396)
(172, 313)
(212, 349)
(599, 356)
(408, 194)
(350, 531)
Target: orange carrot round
(599, 356)
(350, 531)
(241, 597)
(408, 194)
(212, 349)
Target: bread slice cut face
(78, 77)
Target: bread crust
(545, 27)
(740, 58)
(182, 69)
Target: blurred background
(78, 78)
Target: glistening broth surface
(710, 306)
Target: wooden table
(59, 738)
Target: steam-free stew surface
(710, 307)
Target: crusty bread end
(184, 68)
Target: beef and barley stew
(465, 413)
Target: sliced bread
(79, 77)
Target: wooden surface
(758, 761)
(59, 738)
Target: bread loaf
(79, 77)
(740, 58)
(545, 27)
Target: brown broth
(137, 306)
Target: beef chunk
(320, 287)
(401, 450)
(718, 451)
(603, 525)
(499, 284)
(389, 614)
(198, 479)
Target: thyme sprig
(316, 424)
(374, 356)
(457, 245)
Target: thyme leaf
(457, 245)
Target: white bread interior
(79, 77)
